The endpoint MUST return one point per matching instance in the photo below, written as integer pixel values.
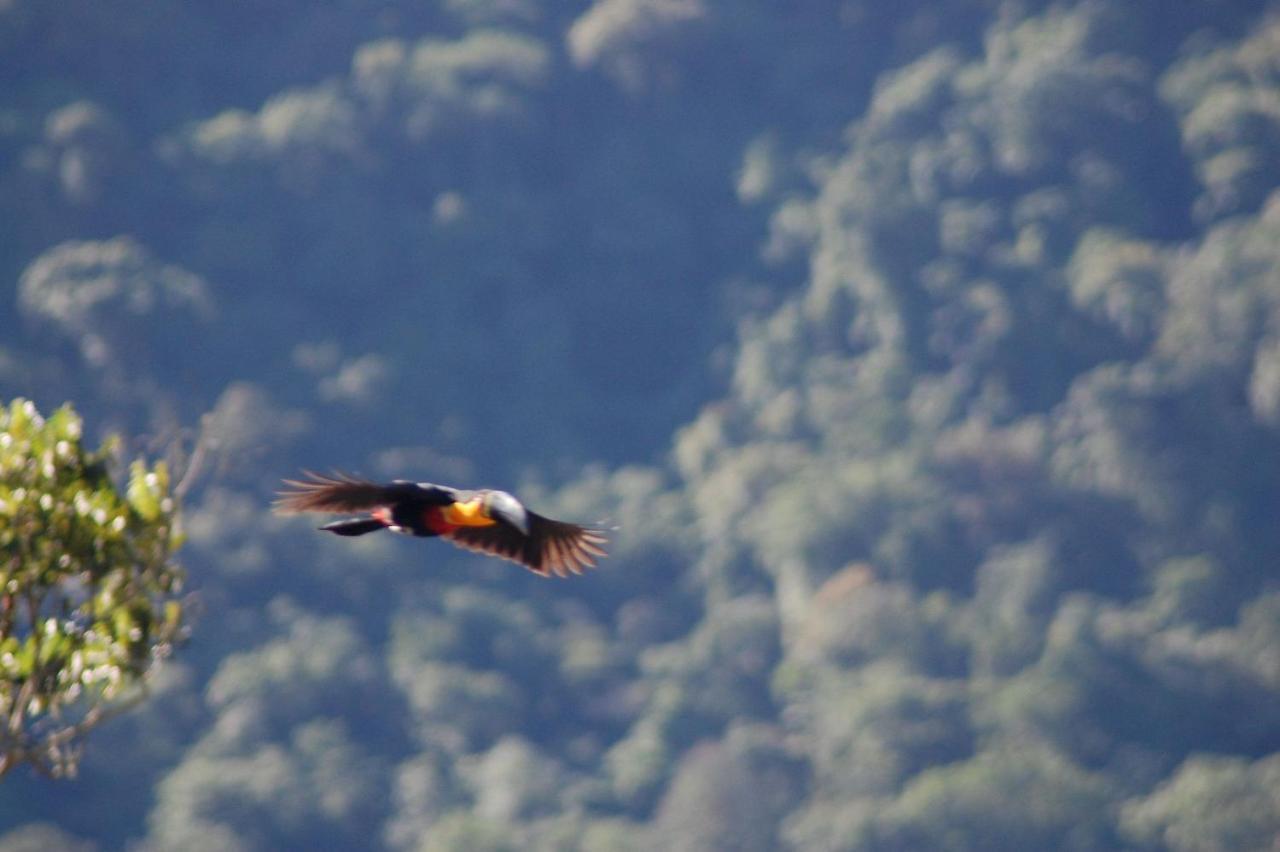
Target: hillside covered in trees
(926, 356)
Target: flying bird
(487, 521)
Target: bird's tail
(359, 526)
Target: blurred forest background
(927, 355)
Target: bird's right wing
(552, 547)
(343, 493)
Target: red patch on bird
(381, 514)
(433, 518)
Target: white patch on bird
(506, 507)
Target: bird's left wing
(343, 493)
(551, 547)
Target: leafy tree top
(88, 589)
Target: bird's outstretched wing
(343, 493)
(551, 547)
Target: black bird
(487, 521)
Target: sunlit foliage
(89, 594)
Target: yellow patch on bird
(468, 514)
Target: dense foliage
(927, 356)
(88, 592)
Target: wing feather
(552, 547)
(341, 492)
